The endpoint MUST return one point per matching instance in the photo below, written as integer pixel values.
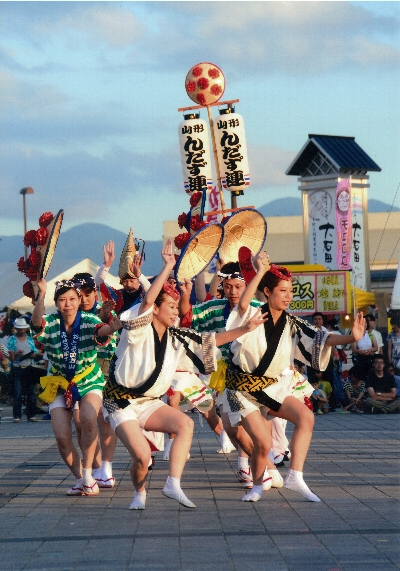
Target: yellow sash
(52, 383)
(217, 378)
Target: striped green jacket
(209, 316)
(49, 335)
(108, 350)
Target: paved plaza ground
(353, 465)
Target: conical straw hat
(127, 256)
(245, 227)
(47, 250)
(198, 252)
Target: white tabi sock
(226, 444)
(88, 479)
(167, 448)
(97, 473)
(106, 470)
(294, 481)
(267, 481)
(139, 501)
(243, 463)
(277, 480)
(254, 495)
(172, 489)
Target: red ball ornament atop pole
(205, 85)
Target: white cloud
(115, 26)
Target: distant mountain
(85, 241)
(292, 207)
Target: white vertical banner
(343, 224)
(230, 142)
(358, 247)
(322, 228)
(194, 144)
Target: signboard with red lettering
(328, 292)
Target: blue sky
(90, 92)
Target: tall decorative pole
(24, 192)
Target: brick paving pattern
(353, 465)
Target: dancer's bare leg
(296, 412)
(173, 401)
(61, 423)
(78, 431)
(89, 409)
(167, 419)
(132, 438)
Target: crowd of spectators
(371, 385)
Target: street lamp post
(24, 192)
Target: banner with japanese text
(328, 292)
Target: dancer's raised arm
(156, 286)
(261, 263)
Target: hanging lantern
(194, 143)
(205, 83)
(230, 141)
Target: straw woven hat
(48, 249)
(245, 227)
(198, 252)
(128, 253)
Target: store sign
(328, 292)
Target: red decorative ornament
(31, 274)
(181, 240)
(203, 83)
(196, 224)
(182, 218)
(197, 71)
(216, 90)
(29, 238)
(195, 198)
(21, 265)
(27, 290)
(33, 260)
(45, 219)
(213, 73)
(41, 236)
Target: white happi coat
(299, 340)
(186, 350)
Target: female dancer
(149, 352)
(70, 339)
(261, 379)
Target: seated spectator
(363, 351)
(355, 390)
(370, 319)
(326, 387)
(391, 370)
(381, 389)
(319, 400)
(393, 343)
